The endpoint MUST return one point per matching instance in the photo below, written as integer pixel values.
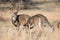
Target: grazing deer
(38, 20)
(19, 20)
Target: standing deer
(38, 22)
(19, 20)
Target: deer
(38, 21)
(19, 20)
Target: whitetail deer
(19, 20)
(38, 20)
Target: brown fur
(34, 20)
(18, 20)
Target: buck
(19, 20)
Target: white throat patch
(14, 18)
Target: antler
(17, 9)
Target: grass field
(51, 10)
